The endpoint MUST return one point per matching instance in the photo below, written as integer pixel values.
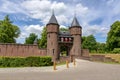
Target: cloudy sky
(95, 16)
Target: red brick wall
(21, 50)
(85, 52)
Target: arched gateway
(71, 40)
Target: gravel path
(84, 70)
(35, 69)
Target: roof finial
(53, 19)
(75, 21)
(52, 11)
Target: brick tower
(76, 32)
(52, 37)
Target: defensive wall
(25, 50)
(21, 50)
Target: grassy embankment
(113, 56)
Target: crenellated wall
(21, 50)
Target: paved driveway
(84, 70)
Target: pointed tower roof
(35, 41)
(75, 22)
(53, 20)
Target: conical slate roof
(53, 20)
(35, 41)
(75, 22)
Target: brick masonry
(25, 50)
(21, 50)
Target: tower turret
(52, 37)
(75, 31)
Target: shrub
(116, 50)
(25, 62)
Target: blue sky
(95, 16)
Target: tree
(89, 42)
(8, 31)
(113, 37)
(64, 29)
(31, 38)
(101, 47)
(43, 40)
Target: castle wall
(85, 52)
(21, 50)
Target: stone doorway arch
(65, 50)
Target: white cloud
(10, 7)
(62, 19)
(59, 7)
(95, 30)
(81, 10)
(42, 9)
(37, 29)
(23, 35)
(62, 26)
(33, 29)
(108, 11)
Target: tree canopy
(64, 29)
(113, 37)
(8, 31)
(89, 42)
(43, 40)
(101, 47)
(30, 40)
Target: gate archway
(65, 44)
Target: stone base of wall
(102, 58)
(85, 53)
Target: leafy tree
(89, 42)
(31, 38)
(43, 40)
(64, 29)
(101, 47)
(83, 38)
(113, 37)
(8, 31)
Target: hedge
(25, 62)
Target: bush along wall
(25, 62)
